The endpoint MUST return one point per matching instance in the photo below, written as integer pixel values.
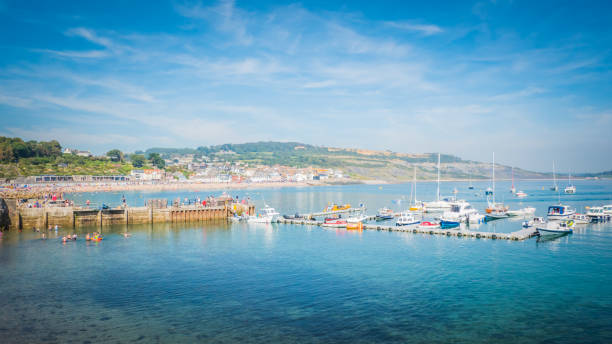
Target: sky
(528, 80)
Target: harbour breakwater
(18, 217)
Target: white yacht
(570, 189)
(607, 209)
(459, 212)
(267, 215)
(560, 212)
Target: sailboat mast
(554, 177)
(493, 177)
(414, 185)
(438, 176)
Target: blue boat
(444, 224)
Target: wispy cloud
(218, 72)
(224, 16)
(79, 54)
(425, 29)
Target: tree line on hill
(12, 149)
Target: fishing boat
(267, 215)
(580, 219)
(438, 204)
(555, 187)
(407, 219)
(560, 212)
(334, 222)
(597, 214)
(384, 214)
(555, 227)
(522, 212)
(520, 194)
(570, 189)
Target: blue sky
(528, 80)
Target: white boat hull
(551, 231)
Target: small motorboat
(359, 218)
(384, 214)
(268, 215)
(520, 194)
(296, 216)
(354, 226)
(429, 224)
(336, 223)
(448, 224)
(406, 220)
(555, 227)
(522, 212)
(536, 221)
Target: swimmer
(127, 235)
(87, 238)
(64, 240)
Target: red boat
(334, 223)
(428, 224)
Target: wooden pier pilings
(72, 217)
(522, 234)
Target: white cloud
(425, 29)
(91, 36)
(79, 54)
(224, 16)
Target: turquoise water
(224, 283)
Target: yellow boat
(354, 226)
(335, 207)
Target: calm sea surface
(224, 283)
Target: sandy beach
(34, 189)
